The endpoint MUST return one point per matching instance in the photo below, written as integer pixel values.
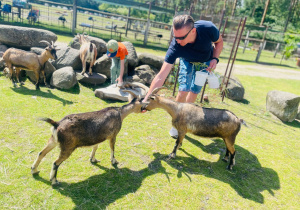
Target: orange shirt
(122, 51)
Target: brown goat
(86, 129)
(204, 122)
(88, 53)
(21, 59)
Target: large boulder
(67, 56)
(298, 115)
(3, 48)
(235, 90)
(131, 57)
(151, 60)
(100, 45)
(102, 65)
(95, 79)
(64, 78)
(113, 92)
(24, 37)
(283, 105)
(143, 74)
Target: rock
(115, 93)
(49, 69)
(151, 60)
(95, 79)
(298, 115)
(131, 57)
(24, 37)
(144, 74)
(235, 90)
(64, 78)
(67, 56)
(283, 105)
(102, 65)
(100, 45)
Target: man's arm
(160, 78)
(217, 51)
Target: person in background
(198, 41)
(118, 53)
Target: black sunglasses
(183, 37)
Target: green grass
(266, 175)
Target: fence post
(259, 52)
(148, 24)
(276, 50)
(74, 21)
(246, 41)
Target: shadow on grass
(25, 91)
(99, 191)
(248, 178)
(295, 123)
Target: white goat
(88, 53)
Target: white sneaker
(173, 133)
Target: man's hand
(212, 65)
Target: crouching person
(117, 51)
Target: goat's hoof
(55, 183)
(35, 172)
(22, 83)
(91, 74)
(171, 156)
(225, 159)
(94, 161)
(229, 167)
(114, 162)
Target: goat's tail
(50, 121)
(91, 47)
(243, 122)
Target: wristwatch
(217, 59)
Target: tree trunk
(265, 12)
(233, 8)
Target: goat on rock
(20, 59)
(204, 122)
(86, 129)
(88, 53)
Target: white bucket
(213, 81)
(200, 78)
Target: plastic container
(213, 81)
(200, 78)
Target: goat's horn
(157, 89)
(131, 93)
(46, 42)
(141, 85)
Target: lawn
(266, 174)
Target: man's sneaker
(173, 133)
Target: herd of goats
(92, 128)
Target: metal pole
(233, 45)
(176, 78)
(222, 17)
(236, 49)
(74, 21)
(148, 24)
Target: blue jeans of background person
(115, 68)
(187, 75)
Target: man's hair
(182, 21)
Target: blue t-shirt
(199, 51)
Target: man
(117, 51)
(192, 42)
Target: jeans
(186, 76)
(115, 68)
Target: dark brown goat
(204, 122)
(85, 129)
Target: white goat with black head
(88, 53)
(20, 59)
(204, 122)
